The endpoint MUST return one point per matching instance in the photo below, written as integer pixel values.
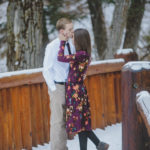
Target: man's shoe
(102, 146)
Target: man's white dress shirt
(54, 70)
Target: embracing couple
(65, 64)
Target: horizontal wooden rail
(105, 66)
(143, 106)
(18, 78)
(24, 103)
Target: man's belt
(62, 83)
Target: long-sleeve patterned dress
(78, 116)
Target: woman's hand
(63, 37)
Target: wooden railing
(143, 106)
(135, 128)
(24, 103)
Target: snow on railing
(124, 51)
(127, 54)
(108, 61)
(103, 65)
(137, 66)
(15, 73)
(143, 105)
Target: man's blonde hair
(61, 23)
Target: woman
(78, 116)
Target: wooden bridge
(24, 103)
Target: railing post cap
(124, 51)
(136, 66)
(127, 54)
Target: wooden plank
(104, 97)
(99, 103)
(107, 99)
(46, 111)
(14, 92)
(118, 96)
(25, 117)
(5, 131)
(102, 103)
(39, 117)
(10, 120)
(1, 121)
(111, 99)
(36, 113)
(33, 105)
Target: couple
(65, 66)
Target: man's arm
(48, 72)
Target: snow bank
(137, 65)
(124, 51)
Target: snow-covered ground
(112, 135)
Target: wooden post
(135, 77)
(127, 54)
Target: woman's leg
(91, 135)
(83, 140)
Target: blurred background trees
(134, 20)
(24, 34)
(27, 26)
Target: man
(55, 74)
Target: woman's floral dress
(78, 116)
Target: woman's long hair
(82, 40)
